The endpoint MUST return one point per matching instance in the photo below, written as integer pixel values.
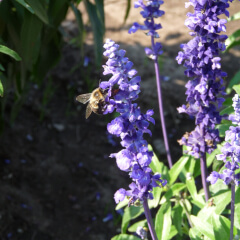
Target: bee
(211, 203)
(96, 101)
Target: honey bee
(96, 101)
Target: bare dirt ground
(56, 180)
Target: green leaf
(40, 9)
(49, 55)
(156, 197)
(177, 218)
(234, 81)
(172, 191)
(221, 195)
(124, 237)
(221, 226)
(198, 200)
(57, 11)
(228, 110)
(10, 52)
(237, 209)
(157, 166)
(237, 89)
(233, 40)
(127, 11)
(122, 204)
(228, 102)
(177, 168)
(236, 16)
(173, 232)
(212, 156)
(98, 30)
(130, 213)
(163, 221)
(78, 16)
(222, 128)
(203, 226)
(24, 4)
(2, 68)
(134, 227)
(30, 39)
(1, 88)
(100, 11)
(188, 168)
(194, 234)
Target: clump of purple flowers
(201, 59)
(150, 11)
(123, 88)
(231, 150)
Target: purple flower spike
(150, 11)
(201, 58)
(123, 89)
(231, 150)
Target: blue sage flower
(201, 58)
(131, 124)
(150, 11)
(231, 150)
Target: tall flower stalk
(201, 58)
(123, 89)
(151, 11)
(231, 157)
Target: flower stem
(204, 176)
(161, 109)
(232, 209)
(149, 219)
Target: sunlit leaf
(157, 166)
(234, 81)
(156, 197)
(193, 191)
(237, 209)
(221, 226)
(172, 191)
(177, 218)
(1, 89)
(130, 213)
(228, 110)
(10, 52)
(122, 204)
(236, 16)
(203, 226)
(237, 89)
(134, 227)
(124, 237)
(222, 128)
(177, 168)
(163, 221)
(233, 40)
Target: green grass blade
(10, 52)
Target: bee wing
(83, 98)
(88, 111)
